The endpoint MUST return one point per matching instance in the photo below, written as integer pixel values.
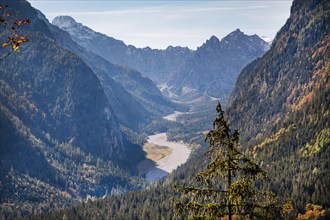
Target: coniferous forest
(78, 110)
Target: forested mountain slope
(60, 139)
(127, 109)
(281, 104)
(136, 100)
(96, 55)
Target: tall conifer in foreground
(227, 186)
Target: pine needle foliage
(227, 187)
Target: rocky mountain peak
(234, 36)
(236, 32)
(77, 30)
(239, 39)
(64, 21)
(210, 44)
(213, 39)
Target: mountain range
(60, 137)
(140, 100)
(280, 104)
(74, 101)
(181, 73)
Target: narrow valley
(176, 154)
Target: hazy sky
(159, 24)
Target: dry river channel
(179, 154)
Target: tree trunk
(229, 184)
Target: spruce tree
(228, 186)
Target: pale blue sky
(159, 24)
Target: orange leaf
(26, 21)
(17, 22)
(16, 47)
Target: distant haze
(158, 24)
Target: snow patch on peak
(64, 21)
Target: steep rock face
(142, 88)
(60, 139)
(68, 94)
(126, 107)
(214, 67)
(281, 105)
(157, 65)
(92, 40)
(181, 73)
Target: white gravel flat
(179, 155)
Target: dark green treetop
(228, 186)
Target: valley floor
(178, 153)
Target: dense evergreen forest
(281, 106)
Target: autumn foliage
(9, 32)
(313, 212)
